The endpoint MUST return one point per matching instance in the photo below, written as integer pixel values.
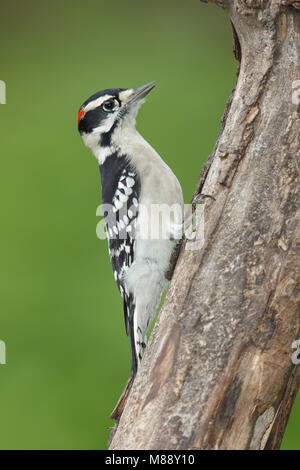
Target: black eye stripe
(93, 118)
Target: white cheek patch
(106, 125)
(97, 102)
(92, 142)
(125, 95)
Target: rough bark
(217, 372)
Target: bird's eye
(110, 105)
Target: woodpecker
(134, 180)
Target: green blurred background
(61, 315)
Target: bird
(136, 183)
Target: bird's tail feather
(129, 308)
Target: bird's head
(109, 110)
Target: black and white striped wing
(122, 225)
(120, 194)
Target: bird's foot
(199, 199)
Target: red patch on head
(80, 115)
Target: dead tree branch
(217, 372)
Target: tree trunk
(217, 372)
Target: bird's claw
(199, 199)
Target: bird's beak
(141, 92)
